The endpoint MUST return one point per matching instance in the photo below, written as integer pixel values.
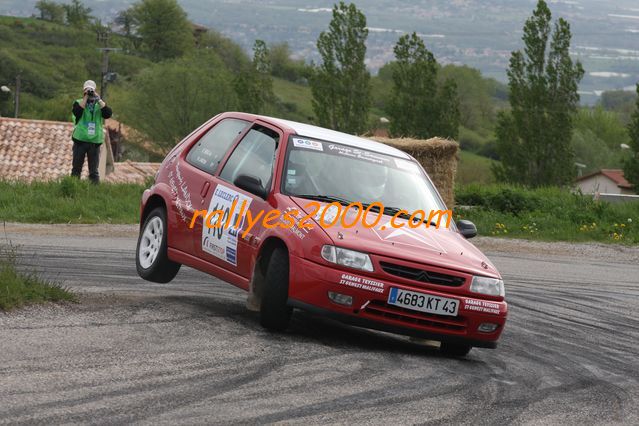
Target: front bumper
(310, 283)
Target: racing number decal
(218, 231)
(221, 241)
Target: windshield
(326, 169)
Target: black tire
(275, 314)
(457, 350)
(161, 269)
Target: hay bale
(438, 157)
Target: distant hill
(479, 33)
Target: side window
(207, 153)
(254, 155)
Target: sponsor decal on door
(221, 241)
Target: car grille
(422, 275)
(382, 309)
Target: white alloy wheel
(151, 242)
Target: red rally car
(421, 281)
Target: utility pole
(105, 76)
(16, 105)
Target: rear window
(207, 153)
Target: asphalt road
(189, 352)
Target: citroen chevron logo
(423, 276)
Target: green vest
(89, 127)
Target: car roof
(315, 132)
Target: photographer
(90, 113)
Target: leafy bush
(504, 199)
(170, 99)
(547, 213)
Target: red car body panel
(184, 189)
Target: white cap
(89, 84)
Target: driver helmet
(370, 181)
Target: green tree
(631, 166)
(163, 29)
(50, 11)
(77, 14)
(229, 52)
(126, 23)
(606, 125)
(168, 100)
(619, 101)
(341, 84)
(476, 106)
(282, 64)
(534, 138)
(262, 68)
(254, 85)
(597, 137)
(448, 116)
(417, 107)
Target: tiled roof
(132, 172)
(615, 175)
(35, 149)
(38, 150)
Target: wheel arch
(154, 201)
(259, 270)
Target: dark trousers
(92, 152)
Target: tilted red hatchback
(416, 281)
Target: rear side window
(254, 155)
(211, 148)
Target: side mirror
(250, 184)
(467, 228)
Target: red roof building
(605, 181)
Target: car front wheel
(152, 261)
(275, 314)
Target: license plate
(423, 302)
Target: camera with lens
(91, 96)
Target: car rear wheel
(275, 314)
(454, 349)
(152, 261)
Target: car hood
(440, 247)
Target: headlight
(345, 257)
(489, 286)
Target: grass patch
(550, 214)
(473, 168)
(294, 101)
(70, 200)
(18, 289)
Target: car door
(193, 176)
(226, 245)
